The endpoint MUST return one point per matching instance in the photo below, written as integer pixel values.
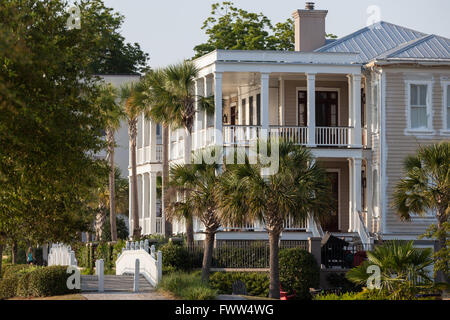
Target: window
(418, 107)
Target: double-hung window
(446, 117)
(419, 106)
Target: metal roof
(384, 40)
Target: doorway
(331, 223)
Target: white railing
(159, 152)
(289, 224)
(333, 136)
(150, 264)
(61, 255)
(361, 229)
(240, 134)
(296, 135)
(159, 225)
(244, 226)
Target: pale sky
(169, 29)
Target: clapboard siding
(399, 144)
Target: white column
(351, 200)
(142, 206)
(218, 108)
(130, 206)
(152, 141)
(356, 190)
(265, 101)
(207, 90)
(369, 194)
(240, 107)
(152, 193)
(356, 96)
(197, 114)
(311, 114)
(281, 110)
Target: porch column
(281, 106)
(356, 192)
(218, 108)
(265, 102)
(152, 193)
(311, 114)
(144, 201)
(356, 96)
(152, 143)
(130, 206)
(196, 115)
(207, 91)
(240, 107)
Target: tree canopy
(232, 28)
(50, 126)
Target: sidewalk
(124, 296)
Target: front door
(331, 221)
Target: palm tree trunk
(442, 241)
(165, 178)
(112, 187)
(207, 255)
(134, 190)
(187, 161)
(274, 286)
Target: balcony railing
(333, 136)
(288, 225)
(240, 134)
(297, 135)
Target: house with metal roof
(360, 103)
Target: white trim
(383, 151)
(429, 103)
(328, 89)
(338, 170)
(445, 131)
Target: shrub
(104, 251)
(187, 286)
(10, 269)
(8, 286)
(338, 280)
(175, 256)
(298, 271)
(117, 249)
(49, 281)
(256, 283)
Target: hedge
(256, 283)
(34, 282)
(299, 272)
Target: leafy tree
(403, 270)
(298, 190)
(50, 125)
(201, 181)
(426, 187)
(232, 28)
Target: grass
(186, 286)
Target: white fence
(150, 264)
(61, 255)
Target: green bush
(10, 269)
(117, 249)
(8, 286)
(256, 283)
(187, 286)
(298, 271)
(49, 281)
(338, 280)
(175, 256)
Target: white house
(361, 103)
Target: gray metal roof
(384, 40)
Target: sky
(169, 29)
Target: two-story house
(361, 103)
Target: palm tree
(427, 188)
(171, 101)
(403, 269)
(132, 96)
(107, 98)
(201, 181)
(299, 189)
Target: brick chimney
(309, 28)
